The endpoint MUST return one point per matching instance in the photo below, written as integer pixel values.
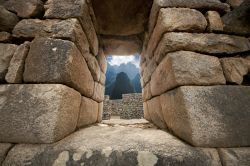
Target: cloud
(118, 60)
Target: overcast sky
(118, 60)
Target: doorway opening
(123, 98)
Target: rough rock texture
(121, 17)
(24, 9)
(176, 19)
(235, 156)
(100, 112)
(93, 66)
(4, 148)
(98, 92)
(194, 4)
(146, 112)
(16, 66)
(235, 69)
(5, 37)
(88, 112)
(6, 53)
(186, 68)
(214, 20)
(146, 92)
(101, 58)
(234, 3)
(218, 44)
(38, 113)
(58, 61)
(69, 29)
(149, 69)
(155, 112)
(114, 146)
(211, 116)
(121, 45)
(74, 9)
(8, 20)
(237, 21)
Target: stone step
(120, 145)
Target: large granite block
(37, 113)
(211, 116)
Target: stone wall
(195, 70)
(129, 107)
(52, 70)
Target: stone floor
(114, 143)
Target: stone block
(235, 156)
(235, 69)
(5, 37)
(88, 112)
(25, 9)
(211, 116)
(102, 78)
(122, 45)
(186, 68)
(234, 3)
(101, 58)
(6, 53)
(148, 71)
(4, 149)
(146, 112)
(98, 92)
(237, 21)
(156, 113)
(69, 29)
(38, 113)
(93, 66)
(115, 145)
(193, 4)
(16, 66)
(176, 20)
(214, 20)
(146, 92)
(203, 43)
(100, 112)
(58, 61)
(74, 9)
(8, 20)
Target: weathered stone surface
(58, 61)
(146, 92)
(234, 69)
(194, 4)
(69, 29)
(237, 21)
(93, 66)
(214, 20)
(146, 111)
(6, 53)
(148, 71)
(98, 92)
(102, 78)
(116, 146)
(121, 45)
(38, 113)
(5, 37)
(8, 20)
(207, 116)
(74, 9)
(121, 17)
(234, 3)
(203, 43)
(176, 19)
(4, 148)
(100, 112)
(16, 66)
(24, 9)
(186, 68)
(155, 112)
(88, 112)
(235, 156)
(101, 58)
